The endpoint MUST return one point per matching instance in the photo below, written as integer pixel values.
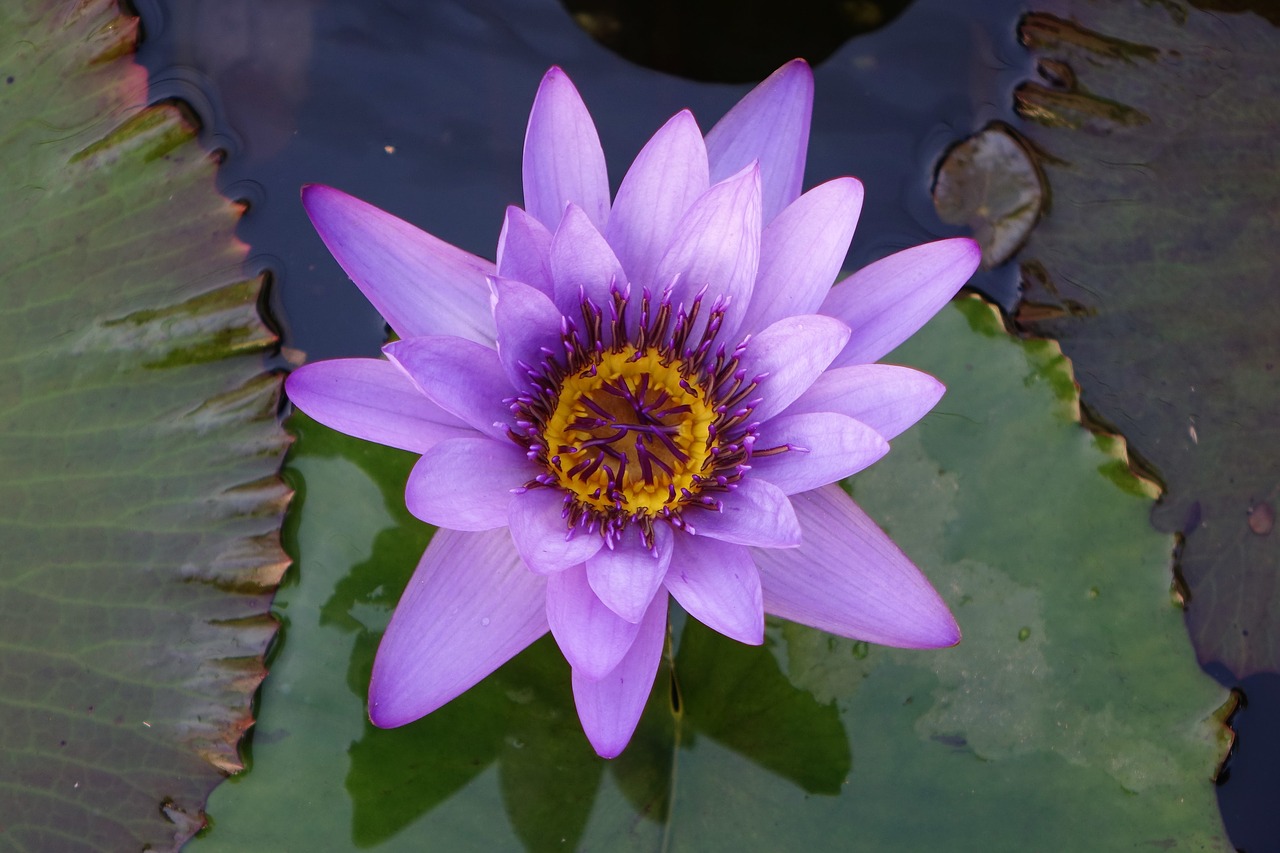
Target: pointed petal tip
(855, 188)
(796, 70)
(317, 197)
(968, 249)
(380, 717)
(944, 636)
(606, 747)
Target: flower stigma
(639, 421)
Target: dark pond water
(419, 107)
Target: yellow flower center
(631, 431)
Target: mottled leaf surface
(1156, 266)
(139, 507)
(1074, 700)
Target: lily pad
(990, 183)
(1073, 701)
(138, 450)
(1154, 266)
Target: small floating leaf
(990, 183)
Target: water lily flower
(645, 397)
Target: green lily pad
(1154, 266)
(138, 450)
(1073, 701)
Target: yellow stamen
(627, 434)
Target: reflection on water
(729, 41)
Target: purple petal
(374, 400)
(420, 284)
(592, 637)
(462, 377)
(825, 447)
(469, 608)
(524, 250)
(528, 328)
(467, 483)
(717, 247)
(885, 397)
(626, 576)
(850, 579)
(667, 177)
(801, 252)
(886, 302)
(771, 125)
(756, 513)
(542, 536)
(582, 262)
(563, 161)
(791, 353)
(718, 584)
(610, 707)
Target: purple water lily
(646, 398)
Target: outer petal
(718, 584)
(885, 397)
(791, 354)
(524, 250)
(469, 608)
(467, 483)
(825, 447)
(667, 177)
(420, 285)
(528, 328)
(541, 535)
(886, 302)
(801, 252)
(462, 377)
(771, 125)
(756, 513)
(717, 247)
(582, 262)
(610, 707)
(563, 161)
(850, 579)
(374, 400)
(627, 575)
(592, 637)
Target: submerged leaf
(138, 449)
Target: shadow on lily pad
(522, 719)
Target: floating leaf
(138, 450)
(990, 183)
(1073, 699)
(1155, 267)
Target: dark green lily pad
(138, 450)
(1074, 699)
(1155, 267)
